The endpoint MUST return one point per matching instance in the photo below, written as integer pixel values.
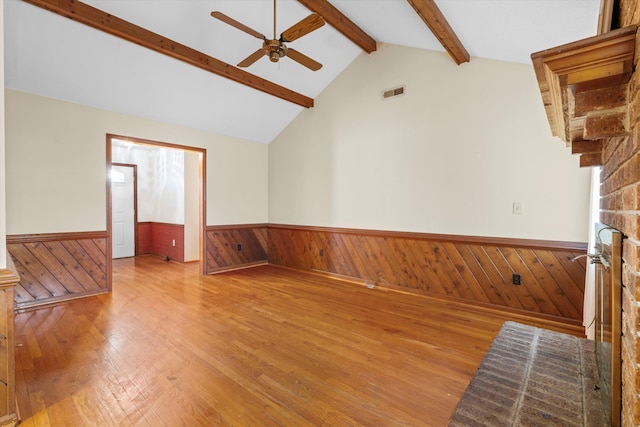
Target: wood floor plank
(260, 346)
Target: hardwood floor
(261, 346)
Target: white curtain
(589, 309)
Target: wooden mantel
(584, 90)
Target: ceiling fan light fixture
(276, 48)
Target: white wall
(56, 166)
(191, 206)
(160, 180)
(168, 187)
(161, 190)
(450, 156)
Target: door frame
(135, 204)
(202, 208)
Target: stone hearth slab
(533, 377)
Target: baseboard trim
(32, 305)
(561, 324)
(495, 241)
(238, 267)
(53, 237)
(235, 226)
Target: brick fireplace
(591, 91)
(620, 208)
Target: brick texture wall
(157, 238)
(620, 208)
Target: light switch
(517, 208)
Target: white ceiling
(50, 55)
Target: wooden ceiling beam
(437, 23)
(340, 22)
(103, 21)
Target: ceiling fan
(276, 48)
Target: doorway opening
(124, 210)
(155, 199)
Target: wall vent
(390, 93)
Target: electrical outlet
(516, 279)
(173, 243)
(239, 247)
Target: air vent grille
(390, 93)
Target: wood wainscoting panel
(472, 269)
(60, 266)
(234, 246)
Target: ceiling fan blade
(308, 24)
(303, 60)
(227, 20)
(249, 60)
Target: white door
(122, 212)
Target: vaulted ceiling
(180, 67)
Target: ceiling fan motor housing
(274, 49)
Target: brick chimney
(620, 208)
(591, 93)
